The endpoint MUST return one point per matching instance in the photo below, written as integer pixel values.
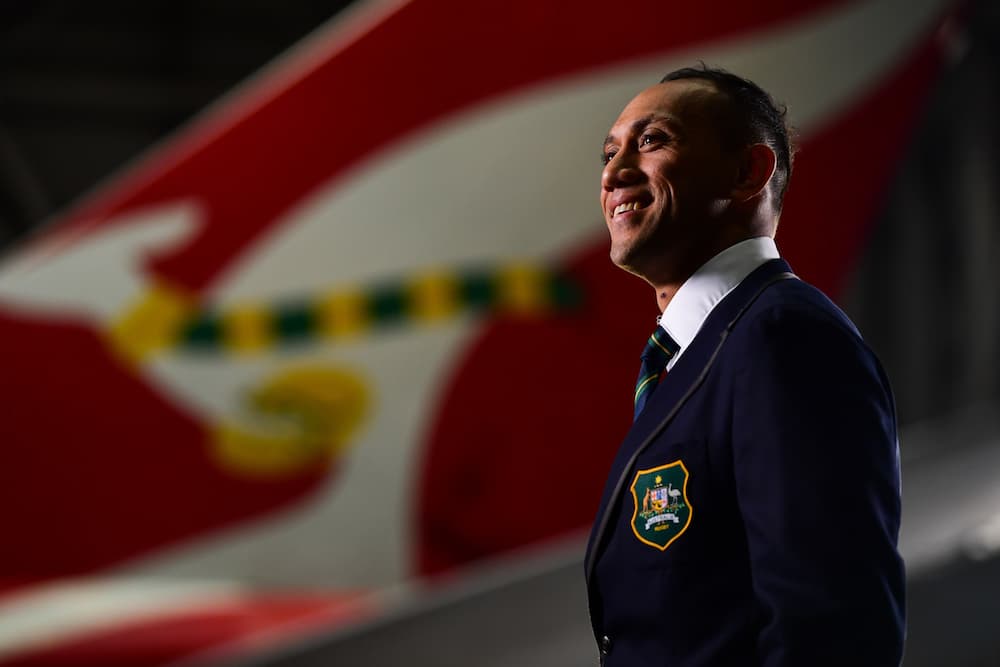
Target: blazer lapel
(673, 388)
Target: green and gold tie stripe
(658, 350)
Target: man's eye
(607, 156)
(652, 138)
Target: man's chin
(628, 260)
(620, 258)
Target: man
(751, 514)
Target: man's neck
(666, 290)
(665, 294)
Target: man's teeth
(627, 206)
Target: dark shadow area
(86, 87)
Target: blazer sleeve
(817, 482)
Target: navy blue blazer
(751, 515)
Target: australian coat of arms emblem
(662, 510)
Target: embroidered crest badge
(662, 510)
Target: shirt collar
(710, 284)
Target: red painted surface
(110, 469)
(98, 465)
(371, 95)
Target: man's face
(666, 180)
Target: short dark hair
(756, 118)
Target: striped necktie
(659, 348)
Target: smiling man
(751, 514)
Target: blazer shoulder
(794, 335)
(794, 321)
(789, 306)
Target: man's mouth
(628, 206)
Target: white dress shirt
(709, 285)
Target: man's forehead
(678, 101)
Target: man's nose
(622, 170)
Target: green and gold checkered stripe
(167, 320)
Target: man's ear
(756, 168)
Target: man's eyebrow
(640, 124)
